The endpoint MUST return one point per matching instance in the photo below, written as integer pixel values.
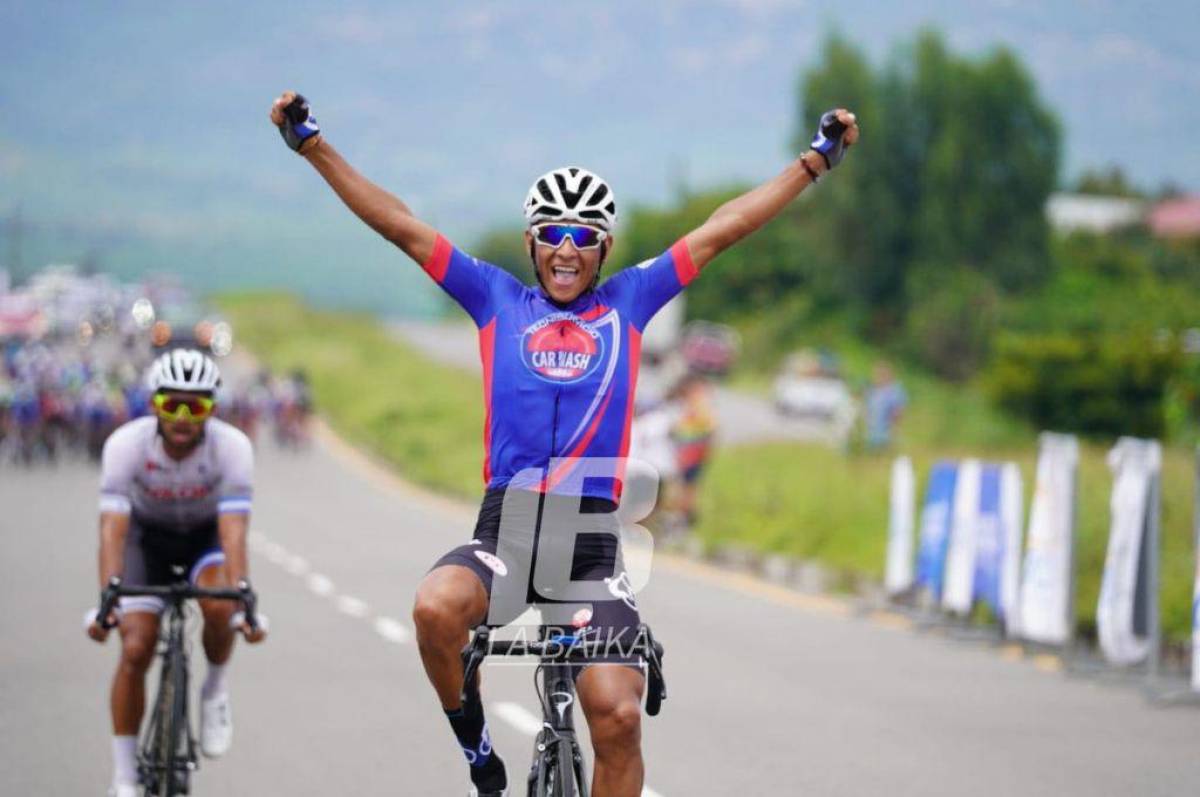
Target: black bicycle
(167, 750)
(558, 765)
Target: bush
(1092, 384)
(951, 320)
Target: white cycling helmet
(571, 194)
(184, 369)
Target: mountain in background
(135, 136)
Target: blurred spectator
(693, 431)
(885, 403)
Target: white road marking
(276, 554)
(518, 716)
(319, 584)
(352, 606)
(296, 565)
(392, 630)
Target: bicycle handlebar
(181, 590)
(567, 650)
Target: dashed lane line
(320, 584)
(518, 717)
(352, 606)
(392, 630)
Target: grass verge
(423, 418)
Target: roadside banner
(989, 540)
(936, 516)
(1012, 498)
(1045, 595)
(1123, 611)
(960, 552)
(899, 575)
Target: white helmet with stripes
(571, 194)
(184, 369)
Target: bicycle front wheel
(172, 777)
(556, 774)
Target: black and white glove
(299, 124)
(828, 139)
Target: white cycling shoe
(122, 790)
(216, 726)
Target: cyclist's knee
(137, 652)
(616, 726)
(217, 613)
(447, 603)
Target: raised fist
(291, 114)
(837, 130)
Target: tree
(956, 162)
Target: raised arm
(382, 211)
(744, 214)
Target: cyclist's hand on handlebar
(291, 114)
(252, 625)
(93, 626)
(253, 634)
(98, 621)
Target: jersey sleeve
(472, 283)
(118, 462)
(237, 474)
(646, 287)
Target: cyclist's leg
(209, 571)
(611, 697)
(451, 600)
(139, 638)
(611, 692)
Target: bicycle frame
(557, 769)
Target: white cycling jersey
(138, 478)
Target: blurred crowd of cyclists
(60, 399)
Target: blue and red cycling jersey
(558, 380)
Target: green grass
(424, 418)
(807, 501)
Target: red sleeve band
(685, 269)
(439, 261)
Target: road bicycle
(167, 749)
(558, 765)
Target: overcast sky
(138, 129)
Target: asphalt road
(771, 692)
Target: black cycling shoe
(489, 780)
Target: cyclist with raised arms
(559, 367)
(175, 490)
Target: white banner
(1136, 466)
(899, 576)
(1044, 598)
(960, 556)
(1011, 505)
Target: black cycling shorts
(611, 617)
(152, 554)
